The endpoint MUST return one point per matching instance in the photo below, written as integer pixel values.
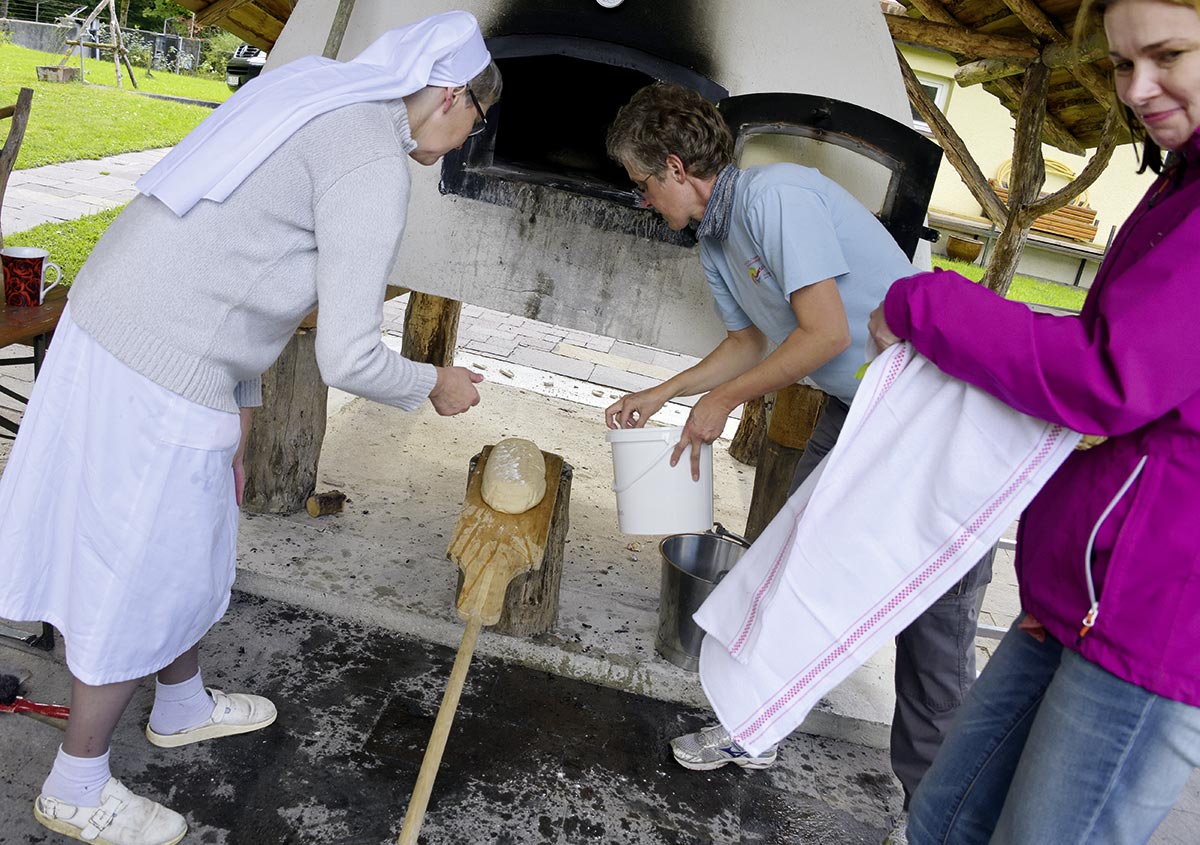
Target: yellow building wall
(987, 129)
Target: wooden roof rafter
(1022, 55)
(995, 40)
(257, 22)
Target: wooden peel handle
(415, 815)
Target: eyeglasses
(482, 124)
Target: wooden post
(793, 419)
(1028, 176)
(288, 430)
(112, 17)
(953, 145)
(285, 439)
(12, 144)
(337, 30)
(531, 601)
(746, 446)
(431, 329)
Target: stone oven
(532, 218)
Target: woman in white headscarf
(290, 195)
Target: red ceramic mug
(25, 275)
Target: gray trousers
(935, 655)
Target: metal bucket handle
(719, 530)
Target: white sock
(178, 707)
(77, 780)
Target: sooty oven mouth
(543, 150)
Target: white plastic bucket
(654, 497)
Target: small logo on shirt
(758, 269)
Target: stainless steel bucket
(692, 565)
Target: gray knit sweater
(203, 304)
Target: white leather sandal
(233, 713)
(121, 819)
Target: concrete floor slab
(383, 562)
(532, 757)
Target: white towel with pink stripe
(925, 477)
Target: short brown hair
(662, 119)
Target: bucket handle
(648, 467)
(721, 531)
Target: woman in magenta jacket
(1085, 725)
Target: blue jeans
(1050, 748)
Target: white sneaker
(233, 713)
(121, 819)
(713, 748)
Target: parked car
(246, 63)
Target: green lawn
(74, 121)
(1023, 288)
(70, 243)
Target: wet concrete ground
(532, 758)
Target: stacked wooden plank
(1073, 222)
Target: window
(938, 90)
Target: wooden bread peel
(491, 548)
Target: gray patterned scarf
(715, 223)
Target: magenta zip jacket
(1126, 514)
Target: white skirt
(118, 523)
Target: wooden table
(30, 326)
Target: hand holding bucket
(25, 275)
(654, 497)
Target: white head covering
(442, 50)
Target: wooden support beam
(933, 10)
(1054, 56)
(1035, 20)
(430, 329)
(747, 441)
(19, 112)
(1028, 164)
(957, 39)
(953, 146)
(1065, 54)
(119, 42)
(337, 29)
(1089, 174)
(1054, 131)
(989, 70)
(1040, 24)
(797, 409)
(285, 440)
(218, 9)
(1025, 185)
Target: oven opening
(552, 120)
(543, 149)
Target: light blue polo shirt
(792, 227)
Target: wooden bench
(1073, 222)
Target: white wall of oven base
(565, 271)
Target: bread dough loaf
(514, 478)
